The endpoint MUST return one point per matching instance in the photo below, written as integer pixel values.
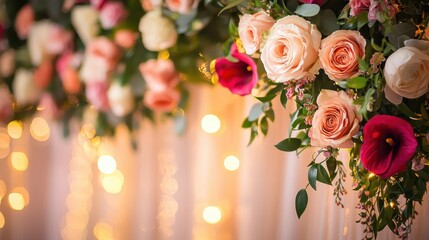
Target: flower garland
(123, 59)
(358, 73)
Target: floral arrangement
(122, 59)
(358, 73)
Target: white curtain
(169, 180)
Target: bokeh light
(16, 201)
(2, 220)
(231, 163)
(24, 193)
(3, 189)
(19, 161)
(106, 164)
(210, 123)
(4, 143)
(39, 129)
(212, 214)
(103, 231)
(113, 183)
(14, 129)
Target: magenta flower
(239, 77)
(388, 144)
(318, 2)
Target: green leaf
(357, 82)
(312, 176)
(363, 65)
(232, 28)
(331, 164)
(406, 110)
(329, 23)
(307, 10)
(270, 114)
(283, 98)
(322, 175)
(264, 126)
(231, 5)
(301, 201)
(255, 112)
(289, 144)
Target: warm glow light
(19, 161)
(210, 123)
(3, 189)
(39, 129)
(392, 204)
(212, 215)
(16, 201)
(103, 231)
(231, 163)
(112, 183)
(14, 129)
(2, 220)
(106, 164)
(4, 143)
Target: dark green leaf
(363, 65)
(406, 110)
(357, 82)
(331, 164)
(270, 114)
(312, 176)
(283, 98)
(289, 144)
(322, 175)
(246, 123)
(231, 5)
(264, 126)
(301, 201)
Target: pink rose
(182, 6)
(159, 74)
(335, 121)
(111, 14)
(125, 38)
(7, 63)
(380, 11)
(165, 101)
(358, 6)
(66, 67)
(318, 2)
(6, 104)
(340, 54)
(43, 74)
(101, 57)
(250, 29)
(149, 5)
(24, 20)
(96, 93)
(98, 4)
(291, 50)
(59, 40)
(406, 71)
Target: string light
(19, 161)
(231, 163)
(212, 214)
(210, 123)
(14, 129)
(16, 201)
(106, 164)
(39, 129)
(112, 183)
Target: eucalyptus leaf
(308, 10)
(289, 144)
(301, 201)
(255, 112)
(180, 124)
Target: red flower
(388, 144)
(239, 77)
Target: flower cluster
(121, 58)
(358, 73)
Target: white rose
(24, 88)
(121, 99)
(38, 40)
(158, 32)
(406, 71)
(85, 21)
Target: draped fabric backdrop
(169, 180)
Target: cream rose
(291, 50)
(121, 99)
(85, 20)
(340, 54)
(24, 88)
(38, 41)
(335, 121)
(406, 71)
(158, 32)
(250, 29)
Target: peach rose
(340, 53)
(158, 32)
(250, 29)
(335, 121)
(111, 14)
(101, 57)
(164, 101)
(66, 67)
(182, 6)
(159, 74)
(149, 5)
(125, 38)
(6, 104)
(43, 74)
(24, 20)
(291, 50)
(121, 99)
(406, 71)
